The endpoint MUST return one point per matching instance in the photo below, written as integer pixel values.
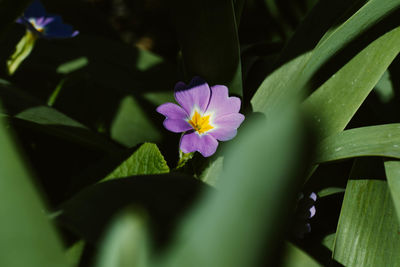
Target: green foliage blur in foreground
(89, 177)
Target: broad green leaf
(126, 243)
(381, 140)
(146, 160)
(367, 233)
(392, 169)
(209, 41)
(295, 257)
(27, 236)
(226, 228)
(291, 79)
(337, 100)
(273, 91)
(132, 125)
(10, 10)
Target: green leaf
(392, 169)
(384, 88)
(213, 172)
(27, 236)
(132, 125)
(329, 241)
(51, 121)
(223, 231)
(209, 41)
(381, 140)
(126, 243)
(27, 112)
(317, 22)
(22, 51)
(367, 233)
(333, 105)
(146, 160)
(72, 65)
(275, 89)
(74, 253)
(295, 257)
(291, 79)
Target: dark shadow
(165, 198)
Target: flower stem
(183, 158)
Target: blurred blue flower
(305, 210)
(45, 25)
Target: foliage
(90, 177)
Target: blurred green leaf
(291, 79)
(333, 105)
(367, 233)
(27, 237)
(126, 243)
(392, 169)
(22, 51)
(295, 257)
(227, 227)
(381, 140)
(384, 88)
(72, 65)
(132, 125)
(74, 253)
(208, 37)
(213, 172)
(147, 159)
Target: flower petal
(195, 95)
(226, 126)
(220, 102)
(172, 111)
(35, 10)
(176, 125)
(57, 29)
(205, 144)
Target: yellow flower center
(37, 27)
(200, 124)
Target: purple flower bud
(45, 25)
(205, 115)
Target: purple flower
(205, 115)
(45, 25)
